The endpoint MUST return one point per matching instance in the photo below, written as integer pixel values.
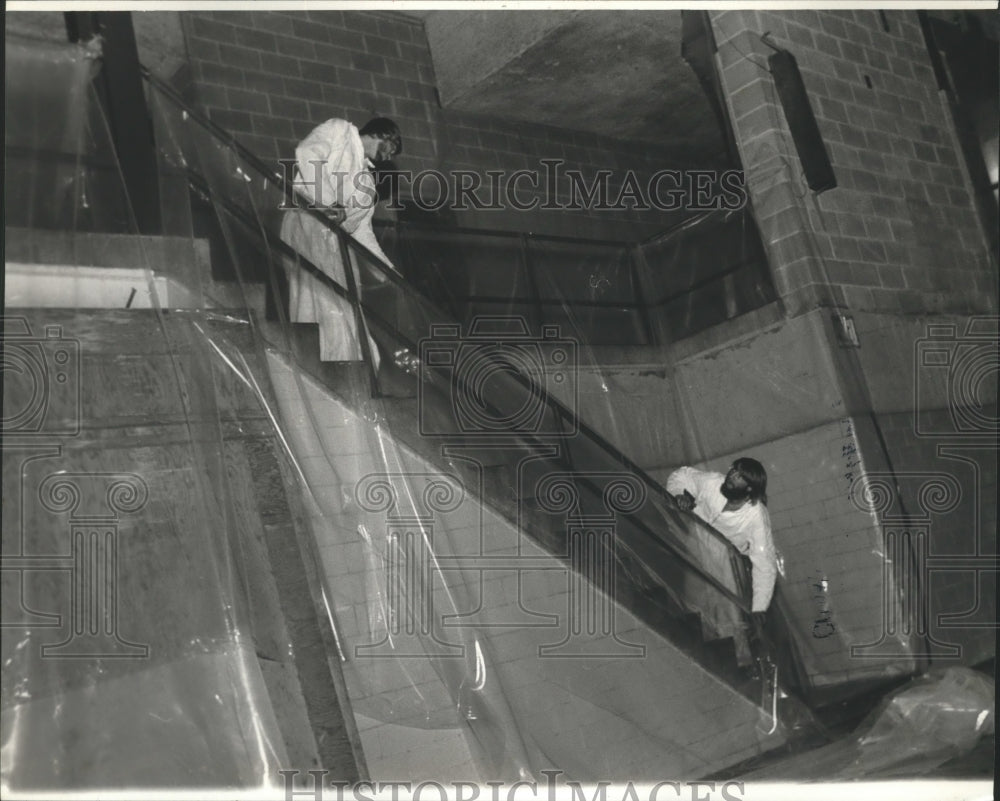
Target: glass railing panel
(697, 253)
(391, 305)
(452, 266)
(709, 270)
(599, 325)
(435, 263)
(694, 310)
(582, 271)
(589, 289)
(657, 521)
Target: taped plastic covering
(682, 358)
(712, 371)
(510, 586)
(130, 638)
(940, 716)
(508, 589)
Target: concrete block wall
(642, 717)
(918, 404)
(949, 491)
(689, 405)
(269, 77)
(899, 232)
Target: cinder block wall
(899, 233)
(270, 77)
(897, 244)
(945, 456)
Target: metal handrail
(390, 274)
(500, 233)
(656, 304)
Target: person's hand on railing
(334, 214)
(685, 501)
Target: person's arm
(684, 480)
(332, 169)
(360, 206)
(764, 565)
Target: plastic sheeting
(940, 716)
(507, 588)
(130, 641)
(510, 588)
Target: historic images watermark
(955, 409)
(551, 186)
(498, 380)
(955, 373)
(42, 411)
(41, 374)
(415, 508)
(500, 401)
(553, 786)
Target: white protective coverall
(334, 155)
(748, 528)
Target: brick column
(899, 233)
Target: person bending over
(736, 505)
(334, 165)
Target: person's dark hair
(385, 129)
(755, 476)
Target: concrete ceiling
(615, 73)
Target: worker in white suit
(334, 165)
(736, 505)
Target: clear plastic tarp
(133, 612)
(940, 716)
(487, 556)
(507, 585)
